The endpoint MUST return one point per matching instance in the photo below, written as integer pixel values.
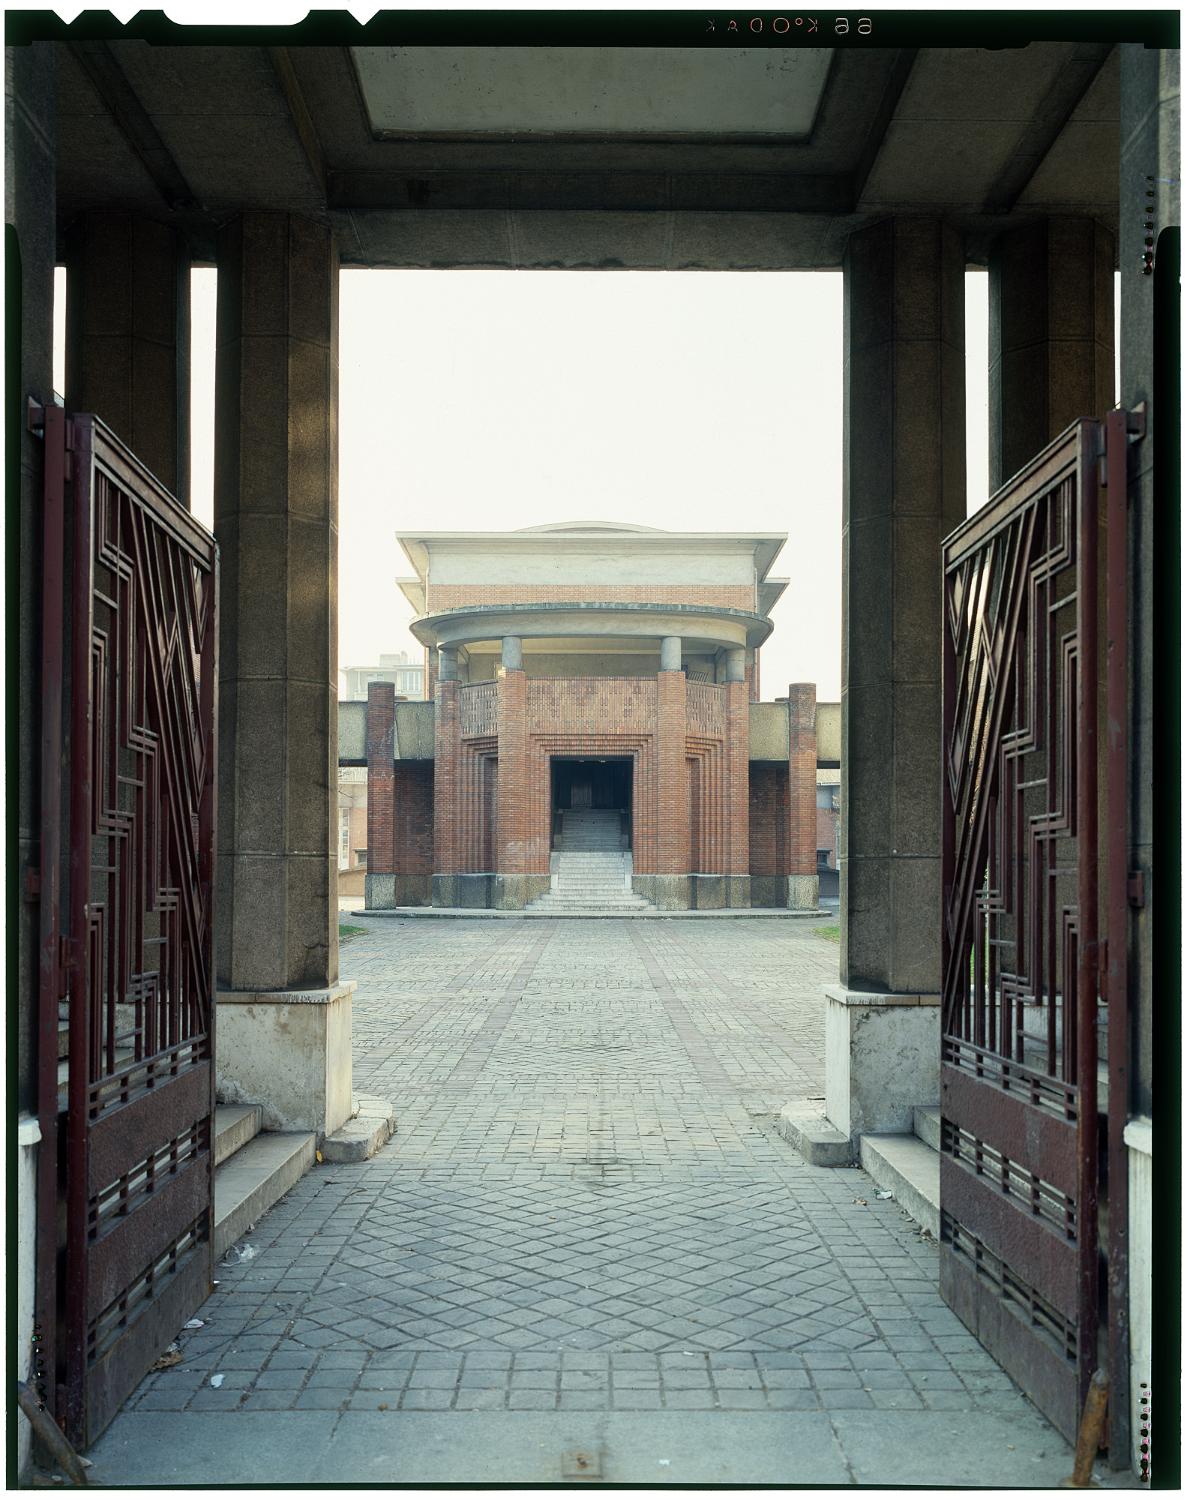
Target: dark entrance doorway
(591, 786)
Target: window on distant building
(344, 838)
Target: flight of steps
(907, 1166)
(590, 869)
(253, 1168)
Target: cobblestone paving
(585, 1205)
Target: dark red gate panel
(137, 926)
(1019, 1252)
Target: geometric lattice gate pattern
(1019, 1245)
(135, 1259)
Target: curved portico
(592, 685)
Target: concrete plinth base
(288, 1051)
(28, 1135)
(766, 890)
(801, 892)
(666, 892)
(411, 890)
(1138, 1137)
(514, 892)
(380, 892)
(881, 1060)
(737, 890)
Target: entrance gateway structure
(596, 736)
(900, 159)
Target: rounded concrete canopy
(700, 627)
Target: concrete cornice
(694, 623)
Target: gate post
(284, 1031)
(904, 489)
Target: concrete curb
(808, 1130)
(371, 1126)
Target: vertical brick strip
(515, 810)
(737, 777)
(672, 808)
(803, 767)
(381, 753)
(446, 775)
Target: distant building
(407, 677)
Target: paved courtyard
(586, 1252)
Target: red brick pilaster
(803, 768)
(672, 801)
(379, 740)
(447, 755)
(514, 809)
(736, 789)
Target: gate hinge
(1137, 424)
(32, 883)
(1136, 888)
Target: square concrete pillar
(128, 336)
(737, 881)
(380, 879)
(522, 840)
(667, 884)
(1051, 336)
(276, 518)
(801, 843)
(904, 480)
(904, 490)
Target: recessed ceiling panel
(631, 91)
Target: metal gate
(1023, 1026)
(131, 583)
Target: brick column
(447, 755)
(669, 885)
(380, 881)
(737, 881)
(802, 843)
(128, 337)
(522, 869)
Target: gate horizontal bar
(126, 1135)
(1036, 1139)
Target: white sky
(491, 399)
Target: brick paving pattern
(585, 1205)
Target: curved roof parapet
(702, 626)
(585, 526)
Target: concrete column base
(666, 892)
(514, 892)
(288, 1051)
(380, 892)
(411, 890)
(28, 1135)
(1138, 1137)
(882, 1060)
(737, 890)
(801, 892)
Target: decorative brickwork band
(737, 779)
(447, 754)
(515, 809)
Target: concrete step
(371, 1126)
(235, 1126)
(249, 1183)
(927, 1125)
(908, 1168)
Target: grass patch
(347, 931)
(830, 932)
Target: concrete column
(380, 880)
(128, 337)
(29, 179)
(737, 662)
(671, 653)
(510, 653)
(801, 845)
(904, 489)
(1051, 336)
(276, 518)
(448, 664)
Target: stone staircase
(590, 869)
(907, 1166)
(253, 1169)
